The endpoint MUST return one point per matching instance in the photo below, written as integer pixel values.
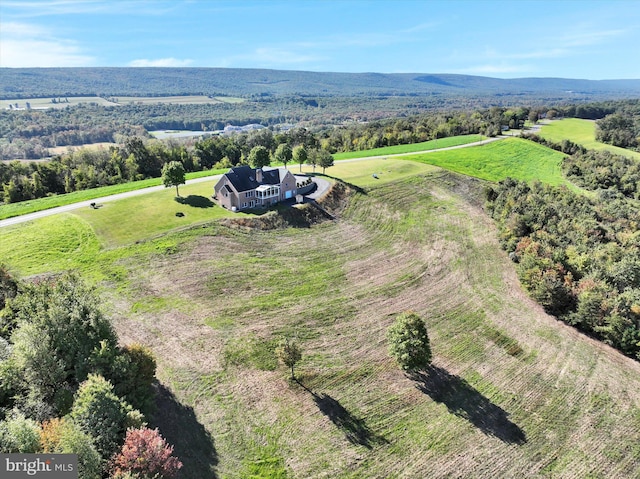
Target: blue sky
(589, 39)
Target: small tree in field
(289, 353)
(409, 342)
(173, 174)
(145, 454)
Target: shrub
(103, 415)
(19, 434)
(145, 454)
(409, 343)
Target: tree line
(577, 256)
(28, 134)
(138, 158)
(66, 386)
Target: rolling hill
(43, 82)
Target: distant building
(244, 187)
(242, 129)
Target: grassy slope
(582, 132)
(398, 149)
(495, 161)
(514, 393)
(31, 248)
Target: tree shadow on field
(193, 444)
(465, 401)
(196, 201)
(355, 429)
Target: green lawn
(25, 207)
(512, 157)
(153, 214)
(361, 173)
(399, 149)
(582, 132)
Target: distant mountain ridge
(124, 81)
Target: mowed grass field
(412, 148)
(178, 100)
(511, 157)
(121, 100)
(512, 393)
(582, 132)
(46, 102)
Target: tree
(148, 165)
(289, 353)
(135, 379)
(409, 342)
(145, 454)
(312, 158)
(102, 415)
(59, 327)
(61, 436)
(173, 175)
(19, 434)
(8, 285)
(300, 155)
(283, 154)
(324, 159)
(259, 157)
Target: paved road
(86, 204)
(466, 145)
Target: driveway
(322, 186)
(87, 204)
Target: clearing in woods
(512, 392)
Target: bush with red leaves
(145, 454)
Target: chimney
(259, 175)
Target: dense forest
(66, 386)
(578, 256)
(622, 127)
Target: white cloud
(161, 62)
(25, 45)
(420, 27)
(589, 37)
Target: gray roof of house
(243, 178)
